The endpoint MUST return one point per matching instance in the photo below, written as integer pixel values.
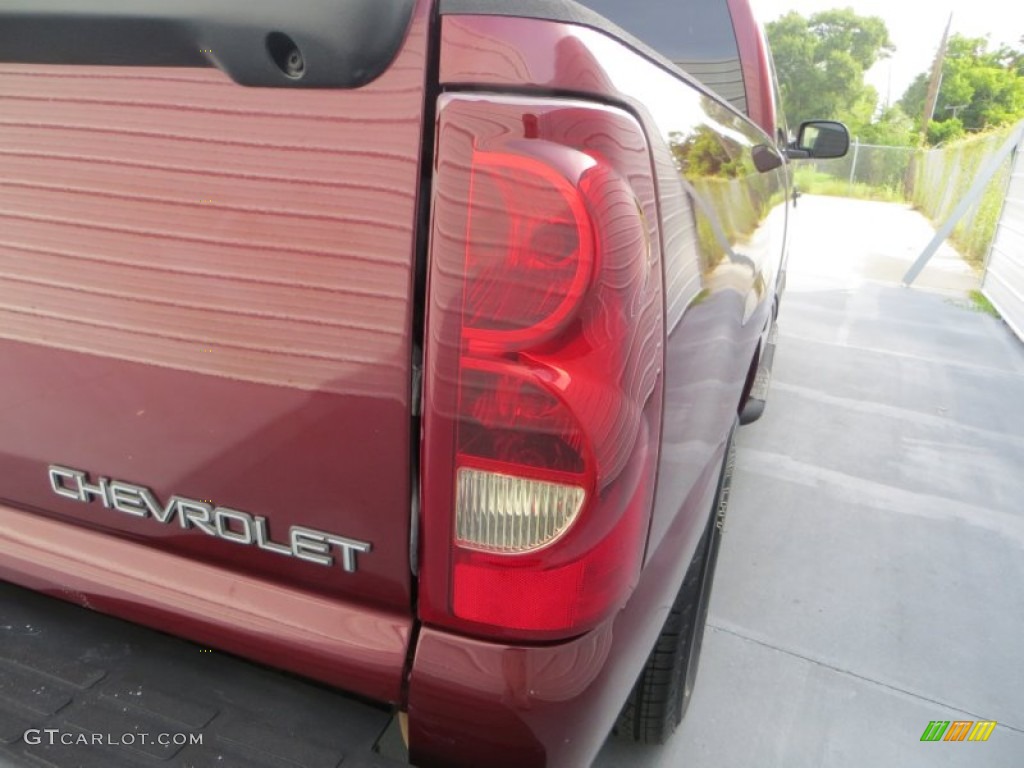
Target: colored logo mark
(959, 730)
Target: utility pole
(936, 81)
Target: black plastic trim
(81, 673)
(341, 43)
(428, 146)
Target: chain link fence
(941, 178)
(934, 181)
(869, 165)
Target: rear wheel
(662, 692)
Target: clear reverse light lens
(511, 515)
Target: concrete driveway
(871, 579)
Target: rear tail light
(512, 515)
(543, 361)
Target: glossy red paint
(473, 702)
(757, 76)
(201, 342)
(353, 647)
(206, 290)
(716, 306)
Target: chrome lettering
(126, 498)
(195, 514)
(98, 491)
(159, 513)
(221, 518)
(310, 545)
(233, 525)
(348, 548)
(263, 540)
(57, 486)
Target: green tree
(1012, 57)
(893, 127)
(821, 63)
(706, 154)
(946, 131)
(981, 89)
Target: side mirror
(766, 158)
(820, 140)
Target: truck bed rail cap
(562, 11)
(340, 43)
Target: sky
(915, 28)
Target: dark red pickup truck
(395, 343)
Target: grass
(976, 302)
(943, 177)
(938, 180)
(982, 304)
(814, 182)
(974, 237)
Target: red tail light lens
(529, 253)
(543, 359)
(510, 417)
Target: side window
(695, 34)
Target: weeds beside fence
(868, 171)
(941, 179)
(815, 182)
(934, 181)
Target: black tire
(662, 693)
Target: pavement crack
(855, 675)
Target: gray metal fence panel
(1004, 278)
